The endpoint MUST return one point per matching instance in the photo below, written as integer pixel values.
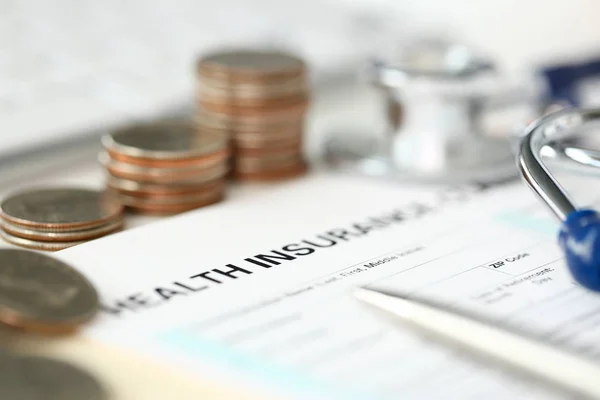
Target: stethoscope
(579, 235)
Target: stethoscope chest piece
(436, 94)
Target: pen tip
(362, 291)
(371, 295)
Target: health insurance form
(256, 294)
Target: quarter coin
(248, 65)
(63, 236)
(162, 175)
(169, 209)
(179, 200)
(169, 140)
(274, 120)
(43, 294)
(39, 378)
(136, 188)
(273, 175)
(60, 209)
(211, 88)
(287, 105)
(37, 244)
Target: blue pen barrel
(579, 238)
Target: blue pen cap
(579, 238)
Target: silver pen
(556, 367)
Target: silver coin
(164, 141)
(273, 121)
(209, 89)
(40, 378)
(203, 173)
(37, 244)
(129, 185)
(251, 62)
(293, 85)
(181, 199)
(262, 166)
(62, 236)
(244, 141)
(42, 293)
(60, 209)
(281, 157)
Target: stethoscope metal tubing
(544, 132)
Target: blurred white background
(71, 66)
(517, 33)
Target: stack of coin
(258, 99)
(54, 219)
(165, 167)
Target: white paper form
(257, 293)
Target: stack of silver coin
(165, 167)
(54, 219)
(259, 100)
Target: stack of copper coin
(54, 219)
(165, 167)
(259, 101)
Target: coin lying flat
(169, 209)
(206, 161)
(161, 174)
(256, 91)
(241, 109)
(63, 236)
(288, 172)
(60, 209)
(258, 142)
(163, 141)
(200, 197)
(37, 244)
(40, 378)
(43, 294)
(274, 120)
(258, 65)
(251, 106)
(132, 187)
